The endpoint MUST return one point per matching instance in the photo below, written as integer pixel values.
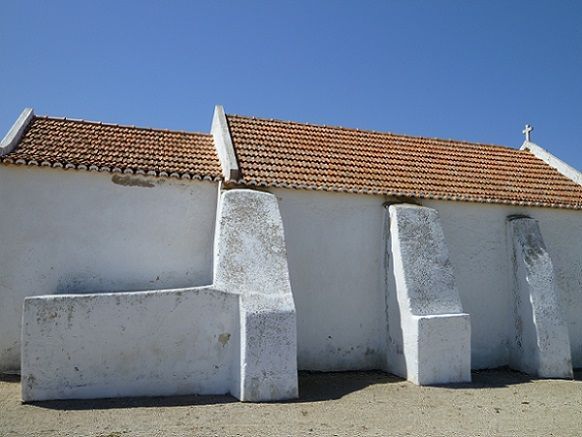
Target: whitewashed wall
(76, 232)
(151, 343)
(335, 243)
(563, 236)
(335, 255)
(480, 252)
(68, 231)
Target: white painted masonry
(335, 252)
(336, 245)
(436, 334)
(424, 277)
(541, 344)
(567, 170)
(86, 232)
(153, 343)
(251, 258)
(237, 336)
(146, 286)
(481, 254)
(82, 232)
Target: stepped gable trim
(224, 146)
(553, 161)
(13, 136)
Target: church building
(150, 262)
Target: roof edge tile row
(291, 156)
(305, 156)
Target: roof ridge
(129, 126)
(447, 140)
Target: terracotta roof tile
(88, 145)
(295, 155)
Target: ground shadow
(313, 387)
(124, 403)
(501, 377)
(491, 378)
(9, 377)
(325, 386)
(116, 403)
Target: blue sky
(452, 69)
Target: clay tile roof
(295, 155)
(88, 145)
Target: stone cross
(527, 132)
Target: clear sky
(453, 69)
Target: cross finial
(527, 132)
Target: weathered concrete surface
(74, 231)
(436, 334)
(151, 343)
(541, 343)
(441, 346)
(251, 259)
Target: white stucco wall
(153, 343)
(336, 244)
(436, 335)
(335, 254)
(541, 343)
(563, 237)
(250, 258)
(77, 232)
(480, 252)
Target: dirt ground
(497, 402)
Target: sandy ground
(497, 402)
